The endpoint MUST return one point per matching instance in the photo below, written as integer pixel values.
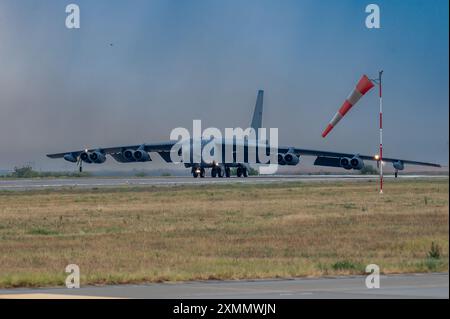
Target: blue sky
(175, 61)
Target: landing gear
(241, 171)
(217, 171)
(396, 173)
(198, 171)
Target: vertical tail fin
(257, 113)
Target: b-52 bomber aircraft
(221, 168)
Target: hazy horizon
(134, 71)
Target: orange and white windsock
(363, 86)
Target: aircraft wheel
(195, 175)
(213, 172)
(202, 173)
(227, 172)
(220, 172)
(239, 172)
(244, 172)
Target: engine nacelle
(85, 157)
(97, 157)
(70, 158)
(128, 155)
(357, 163)
(141, 156)
(281, 159)
(291, 159)
(398, 165)
(345, 163)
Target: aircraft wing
(326, 157)
(154, 147)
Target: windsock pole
(364, 85)
(381, 131)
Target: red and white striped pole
(364, 85)
(381, 131)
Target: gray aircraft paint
(258, 112)
(244, 150)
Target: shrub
(368, 170)
(140, 174)
(24, 172)
(346, 265)
(250, 171)
(434, 252)
(28, 172)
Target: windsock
(363, 86)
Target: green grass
(155, 234)
(348, 265)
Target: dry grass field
(153, 234)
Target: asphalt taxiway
(29, 184)
(432, 285)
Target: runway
(29, 184)
(433, 285)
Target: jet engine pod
(398, 165)
(141, 156)
(345, 163)
(70, 158)
(291, 159)
(128, 155)
(85, 157)
(357, 163)
(281, 159)
(97, 157)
